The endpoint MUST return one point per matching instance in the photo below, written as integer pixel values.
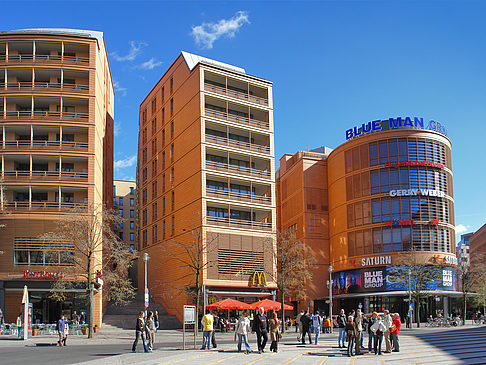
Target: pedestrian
(298, 325)
(1, 317)
(216, 325)
(328, 325)
(387, 321)
(371, 335)
(66, 332)
(75, 318)
(395, 331)
(82, 318)
(260, 327)
(409, 319)
(341, 322)
(317, 323)
(156, 320)
(207, 322)
(140, 333)
(350, 330)
(378, 329)
(19, 325)
(61, 326)
(305, 322)
(242, 329)
(275, 335)
(150, 330)
(358, 320)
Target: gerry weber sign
(395, 123)
(412, 192)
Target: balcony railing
(236, 118)
(46, 145)
(28, 58)
(237, 144)
(235, 94)
(225, 194)
(42, 205)
(46, 86)
(220, 166)
(44, 114)
(239, 223)
(63, 175)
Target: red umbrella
(228, 304)
(268, 304)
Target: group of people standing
(306, 323)
(353, 327)
(145, 329)
(262, 327)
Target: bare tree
(294, 267)
(472, 276)
(418, 278)
(93, 248)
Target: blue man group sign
(395, 123)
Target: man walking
(371, 334)
(395, 331)
(298, 325)
(317, 323)
(260, 327)
(61, 327)
(305, 323)
(387, 321)
(341, 321)
(358, 320)
(207, 323)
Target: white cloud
(207, 33)
(461, 228)
(118, 88)
(150, 64)
(116, 128)
(127, 162)
(135, 50)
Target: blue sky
(334, 65)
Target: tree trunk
(282, 302)
(417, 312)
(90, 301)
(464, 298)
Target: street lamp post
(410, 306)
(330, 294)
(145, 258)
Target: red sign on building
(414, 163)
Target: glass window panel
(368, 243)
(349, 188)
(422, 179)
(420, 150)
(359, 243)
(405, 208)
(424, 209)
(414, 179)
(385, 210)
(356, 186)
(67, 258)
(52, 257)
(376, 210)
(415, 208)
(350, 215)
(397, 235)
(351, 244)
(366, 212)
(406, 240)
(349, 161)
(36, 257)
(375, 182)
(365, 159)
(387, 238)
(412, 149)
(365, 183)
(356, 159)
(383, 152)
(387, 248)
(403, 178)
(402, 150)
(384, 181)
(392, 150)
(395, 208)
(394, 184)
(374, 154)
(358, 214)
(377, 240)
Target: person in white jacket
(378, 328)
(387, 321)
(242, 330)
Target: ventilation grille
(238, 262)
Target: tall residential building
(125, 204)
(477, 244)
(365, 205)
(56, 108)
(206, 164)
(462, 249)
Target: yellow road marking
(292, 359)
(184, 358)
(254, 361)
(352, 361)
(224, 358)
(322, 361)
(382, 362)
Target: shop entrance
(48, 310)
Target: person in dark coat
(140, 333)
(305, 321)
(260, 327)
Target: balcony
(234, 93)
(221, 166)
(45, 175)
(46, 86)
(44, 115)
(47, 145)
(48, 206)
(43, 58)
(225, 194)
(228, 116)
(237, 144)
(239, 223)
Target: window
(154, 168)
(144, 217)
(121, 212)
(120, 234)
(131, 190)
(144, 196)
(163, 229)
(121, 225)
(144, 135)
(163, 182)
(171, 107)
(154, 189)
(132, 238)
(132, 202)
(163, 137)
(144, 116)
(173, 199)
(144, 237)
(163, 160)
(154, 146)
(36, 251)
(144, 155)
(154, 234)
(154, 125)
(163, 205)
(163, 115)
(173, 224)
(172, 130)
(132, 225)
(171, 85)
(132, 213)
(172, 175)
(172, 153)
(163, 93)
(120, 201)
(154, 105)
(154, 211)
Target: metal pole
(330, 294)
(410, 295)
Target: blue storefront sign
(395, 123)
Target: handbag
(393, 328)
(379, 333)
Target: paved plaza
(445, 346)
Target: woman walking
(351, 335)
(242, 330)
(150, 329)
(275, 335)
(378, 329)
(140, 333)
